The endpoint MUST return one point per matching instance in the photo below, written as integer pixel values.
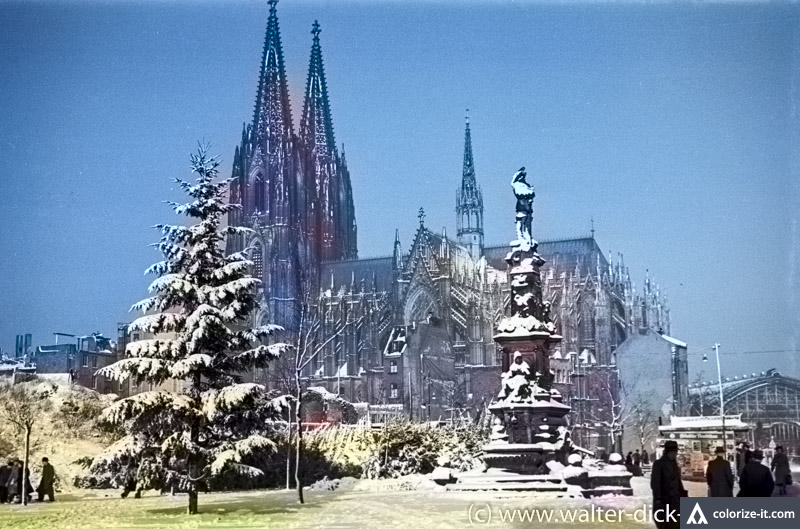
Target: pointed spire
(396, 253)
(468, 184)
(469, 203)
(272, 117)
(327, 181)
(316, 126)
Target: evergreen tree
(198, 334)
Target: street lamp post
(721, 400)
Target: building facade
(653, 381)
(77, 363)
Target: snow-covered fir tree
(199, 318)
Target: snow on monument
(530, 447)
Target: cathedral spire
(469, 203)
(316, 126)
(327, 193)
(267, 181)
(272, 115)
(468, 173)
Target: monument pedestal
(530, 442)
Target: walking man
(756, 479)
(780, 466)
(47, 481)
(13, 482)
(5, 473)
(719, 476)
(665, 481)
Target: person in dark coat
(45, 487)
(12, 483)
(665, 481)
(645, 457)
(5, 473)
(756, 479)
(743, 454)
(780, 466)
(637, 463)
(719, 476)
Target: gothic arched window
(259, 194)
(257, 256)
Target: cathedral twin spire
(294, 190)
(273, 115)
(330, 207)
(316, 127)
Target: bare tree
(313, 339)
(642, 420)
(23, 405)
(619, 406)
(611, 410)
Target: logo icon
(697, 516)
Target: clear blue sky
(674, 126)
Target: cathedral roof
(566, 255)
(344, 273)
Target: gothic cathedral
(410, 333)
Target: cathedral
(409, 333)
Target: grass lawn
(359, 503)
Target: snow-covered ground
(412, 501)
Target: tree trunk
(23, 486)
(192, 508)
(192, 460)
(299, 446)
(289, 453)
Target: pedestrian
(756, 479)
(45, 487)
(637, 463)
(12, 484)
(645, 457)
(665, 481)
(5, 473)
(780, 466)
(743, 455)
(629, 462)
(719, 476)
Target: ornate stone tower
(294, 192)
(469, 205)
(329, 218)
(265, 183)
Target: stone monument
(530, 443)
